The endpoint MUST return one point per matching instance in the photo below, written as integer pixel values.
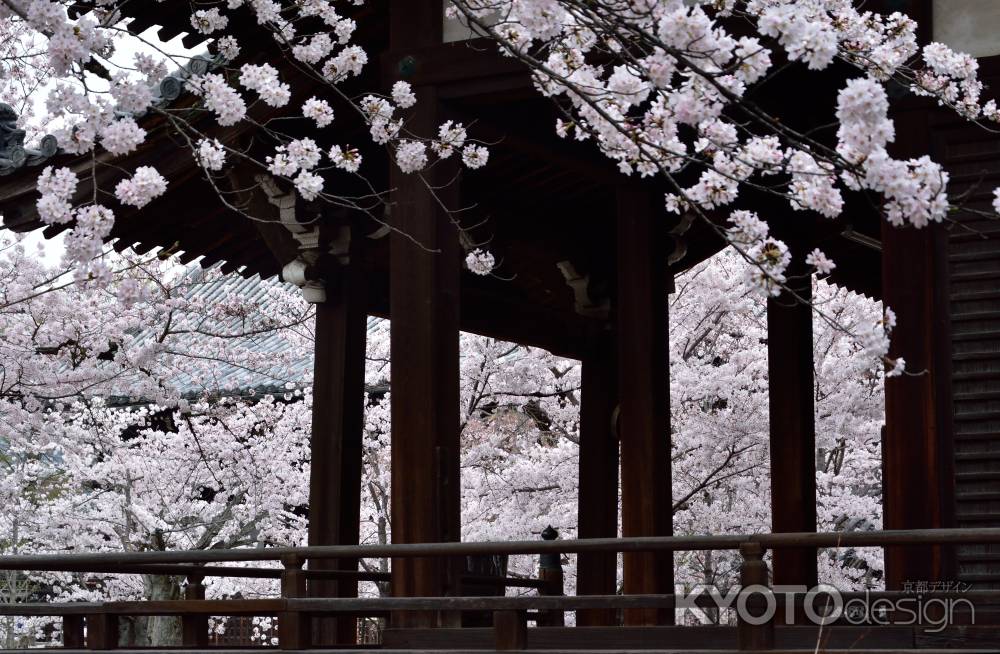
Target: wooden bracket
(314, 244)
(584, 303)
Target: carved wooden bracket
(585, 304)
(677, 236)
(315, 244)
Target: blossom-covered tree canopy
(671, 90)
(103, 452)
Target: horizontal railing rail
(97, 623)
(377, 606)
(823, 540)
(256, 572)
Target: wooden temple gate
(594, 258)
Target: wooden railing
(95, 625)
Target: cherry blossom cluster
(411, 154)
(296, 160)
(220, 98)
(768, 256)
(915, 190)
(318, 110)
(875, 341)
(93, 222)
(675, 64)
(660, 87)
(480, 262)
(210, 154)
(265, 81)
(316, 35)
(141, 188)
(57, 186)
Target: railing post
(102, 631)
(550, 571)
(755, 629)
(510, 630)
(294, 628)
(72, 628)
(194, 627)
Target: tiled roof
(231, 379)
(13, 154)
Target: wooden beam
(644, 388)
(597, 573)
(337, 428)
(425, 264)
(459, 70)
(792, 424)
(496, 316)
(918, 467)
(555, 152)
(73, 631)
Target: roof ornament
(172, 86)
(13, 154)
(202, 64)
(170, 89)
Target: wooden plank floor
(708, 638)
(259, 650)
(652, 638)
(648, 640)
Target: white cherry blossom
(144, 185)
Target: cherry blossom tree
(226, 475)
(84, 449)
(83, 442)
(719, 413)
(23, 73)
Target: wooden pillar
(597, 573)
(194, 627)
(644, 388)
(294, 627)
(510, 629)
(753, 572)
(337, 428)
(73, 631)
(918, 478)
(424, 306)
(792, 423)
(103, 631)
